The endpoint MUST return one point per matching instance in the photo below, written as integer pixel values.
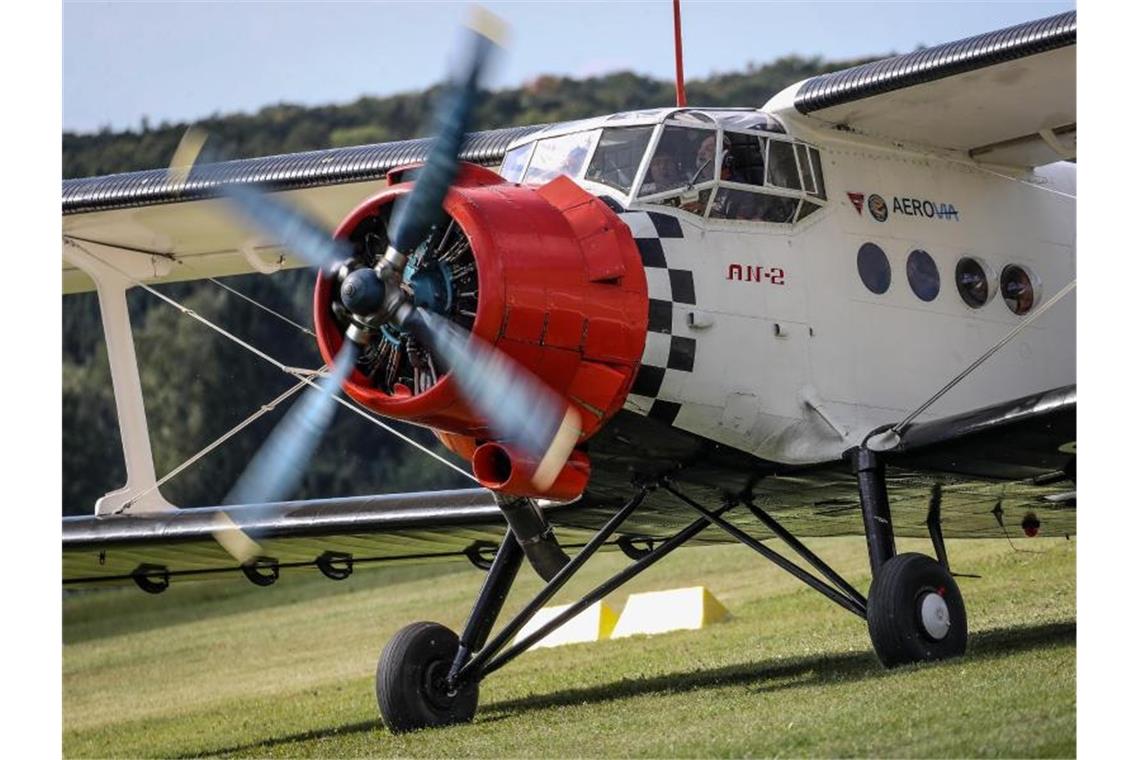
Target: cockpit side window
(782, 169)
(807, 179)
(555, 156)
(817, 172)
(685, 157)
(743, 158)
(618, 155)
(731, 203)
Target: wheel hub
(935, 616)
(435, 684)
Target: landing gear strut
(915, 611)
(411, 694)
(428, 676)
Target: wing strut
(302, 376)
(111, 284)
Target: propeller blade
(186, 156)
(277, 468)
(288, 226)
(280, 221)
(519, 408)
(276, 219)
(423, 207)
(279, 465)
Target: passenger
(706, 154)
(663, 174)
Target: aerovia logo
(924, 208)
(879, 210)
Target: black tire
(410, 675)
(894, 611)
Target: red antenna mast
(681, 102)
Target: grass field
(224, 668)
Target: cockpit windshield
(558, 155)
(717, 164)
(618, 155)
(744, 171)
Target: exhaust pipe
(508, 472)
(503, 471)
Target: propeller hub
(432, 288)
(362, 292)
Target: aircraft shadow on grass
(791, 673)
(763, 676)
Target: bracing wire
(254, 302)
(263, 410)
(901, 427)
(276, 363)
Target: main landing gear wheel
(411, 680)
(915, 612)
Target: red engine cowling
(560, 289)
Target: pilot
(706, 155)
(663, 174)
(728, 168)
(702, 171)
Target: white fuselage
(797, 360)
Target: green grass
(226, 668)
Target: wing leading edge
(150, 213)
(1006, 97)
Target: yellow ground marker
(594, 623)
(678, 609)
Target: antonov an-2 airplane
(848, 312)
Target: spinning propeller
(519, 409)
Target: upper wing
(188, 236)
(1005, 97)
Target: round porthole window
(922, 274)
(1017, 289)
(874, 268)
(973, 282)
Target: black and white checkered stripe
(668, 358)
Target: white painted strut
(140, 491)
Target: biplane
(848, 312)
